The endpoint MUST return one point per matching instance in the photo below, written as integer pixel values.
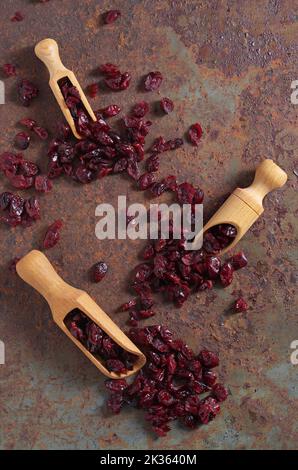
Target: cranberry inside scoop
(98, 343)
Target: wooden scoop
(36, 270)
(244, 206)
(48, 52)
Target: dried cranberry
(22, 140)
(9, 70)
(109, 70)
(153, 163)
(52, 235)
(153, 81)
(146, 180)
(99, 270)
(93, 90)
(208, 359)
(41, 132)
(240, 305)
(238, 261)
(116, 385)
(140, 109)
(29, 123)
(119, 82)
(226, 274)
(185, 193)
(27, 91)
(111, 16)
(128, 305)
(220, 392)
(32, 208)
(166, 105)
(18, 16)
(43, 184)
(111, 110)
(195, 133)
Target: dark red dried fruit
(111, 16)
(93, 90)
(226, 274)
(98, 343)
(208, 359)
(43, 184)
(119, 82)
(220, 392)
(111, 111)
(195, 133)
(146, 180)
(165, 388)
(238, 261)
(99, 270)
(9, 70)
(18, 16)
(109, 70)
(240, 305)
(41, 132)
(52, 235)
(27, 91)
(166, 105)
(153, 81)
(140, 109)
(19, 211)
(22, 140)
(29, 123)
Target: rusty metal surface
(228, 64)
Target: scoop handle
(47, 51)
(268, 176)
(36, 270)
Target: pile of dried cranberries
(174, 384)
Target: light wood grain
(37, 271)
(47, 51)
(244, 206)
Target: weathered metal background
(228, 64)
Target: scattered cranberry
(41, 132)
(240, 305)
(153, 81)
(208, 359)
(98, 343)
(9, 70)
(29, 123)
(20, 172)
(119, 82)
(27, 91)
(109, 70)
(111, 16)
(22, 140)
(52, 235)
(111, 111)
(166, 105)
(18, 16)
(220, 392)
(195, 133)
(19, 211)
(238, 261)
(99, 270)
(93, 90)
(226, 274)
(146, 180)
(140, 109)
(43, 184)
